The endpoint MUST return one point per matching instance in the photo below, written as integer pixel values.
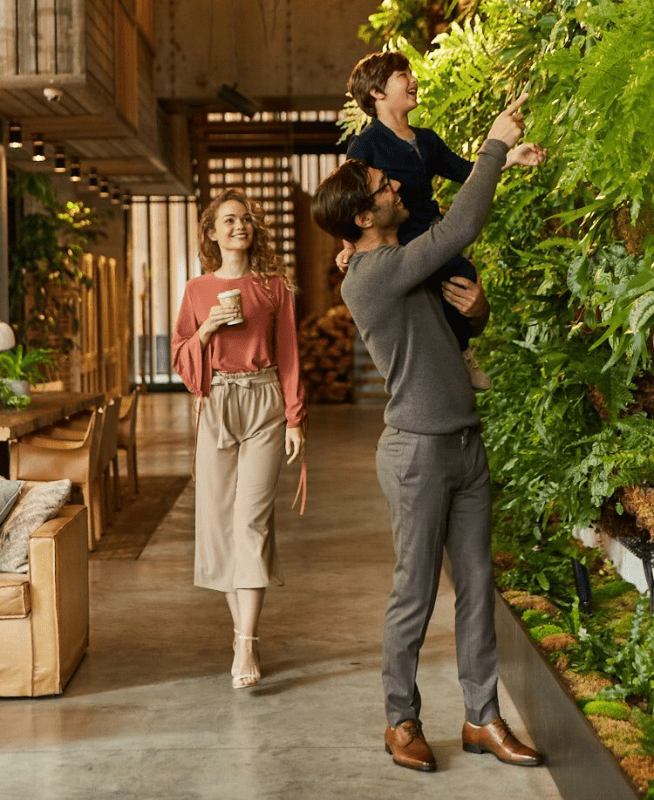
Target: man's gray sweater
(402, 322)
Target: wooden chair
(41, 457)
(74, 429)
(127, 437)
(109, 458)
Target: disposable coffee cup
(233, 298)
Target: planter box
(581, 766)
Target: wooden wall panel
(96, 70)
(99, 45)
(145, 18)
(147, 114)
(70, 37)
(26, 37)
(126, 65)
(61, 34)
(41, 37)
(46, 37)
(8, 52)
(100, 36)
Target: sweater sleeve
(288, 359)
(189, 361)
(403, 268)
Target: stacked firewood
(326, 343)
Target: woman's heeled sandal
(244, 680)
(236, 635)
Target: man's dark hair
(340, 197)
(373, 72)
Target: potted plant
(19, 369)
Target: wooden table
(45, 409)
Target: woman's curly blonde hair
(265, 263)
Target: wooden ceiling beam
(218, 138)
(89, 126)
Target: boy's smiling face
(400, 92)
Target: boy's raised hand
(508, 126)
(527, 154)
(343, 258)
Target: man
(431, 461)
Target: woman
(252, 410)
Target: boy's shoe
(480, 382)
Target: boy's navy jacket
(379, 147)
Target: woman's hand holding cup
(221, 315)
(218, 315)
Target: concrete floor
(151, 713)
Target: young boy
(385, 89)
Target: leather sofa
(44, 614)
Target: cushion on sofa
(9, 493)
(38, 502)
(14, 596)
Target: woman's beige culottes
(238, 460)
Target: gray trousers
(437, 489)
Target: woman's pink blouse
(267, 337)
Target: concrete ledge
(582, 768)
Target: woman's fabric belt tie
(245, 380)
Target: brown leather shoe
(408, 747)
(497, 738)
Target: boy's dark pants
(437, 489)
(459, 324)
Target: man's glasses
(385, 184)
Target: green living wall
(566, 259)
(566, 254)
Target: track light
(38, 151)
(15, 135)
(93, 180)
(127, 201)
(104, 187)
(60, 161)
(116, 196)
(75, 171)
(240, 102)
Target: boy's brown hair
(373, 72)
